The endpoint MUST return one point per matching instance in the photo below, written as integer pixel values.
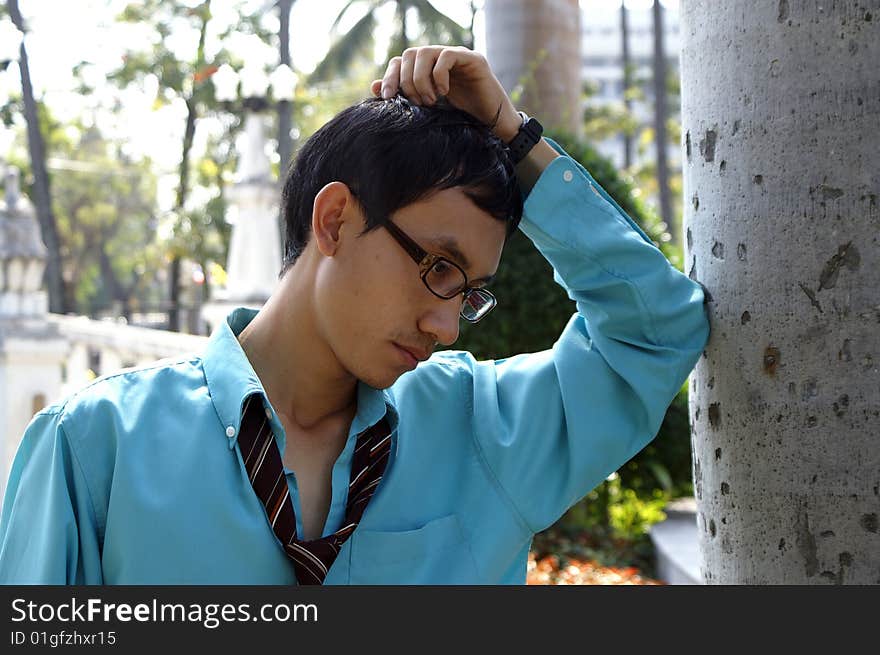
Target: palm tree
(437, 28)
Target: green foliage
(104, 204)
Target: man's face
(372, 303)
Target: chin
(379, 381)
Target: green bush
(532, 311)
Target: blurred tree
(357, 42)
(660, 117)
(41, 193)
(105, 208)
(189, 80)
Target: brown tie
(262, 461)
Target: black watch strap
(529, 134)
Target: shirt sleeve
(552, 425)
(48, 531)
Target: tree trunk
(284, 107)
(627, 82)
(537, 44)
(661, 113)
(42, 192)
(782, 175)
(183, 181)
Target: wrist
(508, 126)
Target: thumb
(376, 87)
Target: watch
(529, 134)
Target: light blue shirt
(137, 478)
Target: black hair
(391, 153)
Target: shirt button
(567, 176)
(230, 431)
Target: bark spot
(771, 360)
(868, 17)
(693, 272)
(711, 382)
(707, 145)
(812, 422)
(696, 202)
(697, 414)
(830, 192)
(781, 545)
(736, 126)
(712, 527)
(723, 166)
(825, 534)
(759, 179)
(811, 295)
(725, 488)
(869, 522)
(844, 354)
(741, 251)
(775, 68)
(806, 544)
(718, 456)
(745, 318)
(810, 389)
(841, 406)
(782, 16)
(715, 415)
(847, 255)
(690, 237)
(687, 145)
(718, 250)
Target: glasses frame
(426, 261)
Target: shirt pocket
(437, 553)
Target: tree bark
(661, 113)
(42, 189)
(537, 44)
(782, 176)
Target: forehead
(450, 223)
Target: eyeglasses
(445, 279)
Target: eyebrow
(451, 247)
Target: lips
(416, 353)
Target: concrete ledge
(676, 544)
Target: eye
(441, 268)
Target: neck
(301, 375)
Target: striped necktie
(262, 461)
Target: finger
(407, 64)
(391, 79)
(446, 61)
(423, 78)
(376, 88)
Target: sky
(63, 33)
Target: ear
(331, 211)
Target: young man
(318, 441)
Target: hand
(461, 75)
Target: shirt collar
(231, 379)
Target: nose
(441, 320)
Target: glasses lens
(477, 304)
(445, 279)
